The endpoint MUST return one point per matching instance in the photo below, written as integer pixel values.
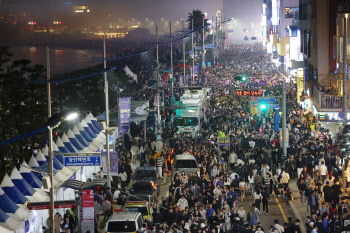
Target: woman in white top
(251, 181)
(242, 214)
(257, 198)
(242, 186)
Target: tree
(198, 17)
(23, 106)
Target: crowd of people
(252, 167)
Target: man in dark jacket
(171, 217)
(265, 201)
(327, 193)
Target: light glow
(71, 116)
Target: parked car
(143, 191)
(146, 173)
(125, 222)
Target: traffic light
(241, 78)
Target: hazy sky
(153, 9)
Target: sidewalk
(298, 209)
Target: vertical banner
(88, 211)
(195, 70)
(124, 114)
(104, 162)
(114, 163)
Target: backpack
(332, 213)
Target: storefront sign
(224, 143)
(72, 161)
(47, 206)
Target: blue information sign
(79, 161)
(210, 46)
(266, 100)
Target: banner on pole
(114, 163)
(195, 70)
(88, 211)
(124, 114)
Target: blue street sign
(341, 115)
(79, 161)
(274, 106)
(198, 48)
(229, 31)
(210, 46)
(262, 83)
(266, 100)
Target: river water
(61, 60)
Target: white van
(125, 222)
(185, 163)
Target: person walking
(302, 188)
(265, 201)
(257, 198)
(323, 171)
(160, 163)
(242, 188)
(252, 216)
(106, 206)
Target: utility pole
(284, 124)
(192, 53)
(172, 74)
(213, 39)
(183, 52)
(203, 55)
(107, 113)
(217, 38)
(158, 99)
(52, 203)
(345, 73)
(262, 70)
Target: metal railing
(324, 100)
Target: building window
(289, 12)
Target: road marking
(281, 209)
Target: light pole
(172, 74)
(192, 53)
(52, 206)
(184, 53)
(53, 122)
(345, 73)
(158, 99)
(284, 117)
(107, 112)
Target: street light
(53, 122)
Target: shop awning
(79, 185)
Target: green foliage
(198, 17)
(23, 106)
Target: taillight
(138, 231)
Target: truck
(191, 110)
